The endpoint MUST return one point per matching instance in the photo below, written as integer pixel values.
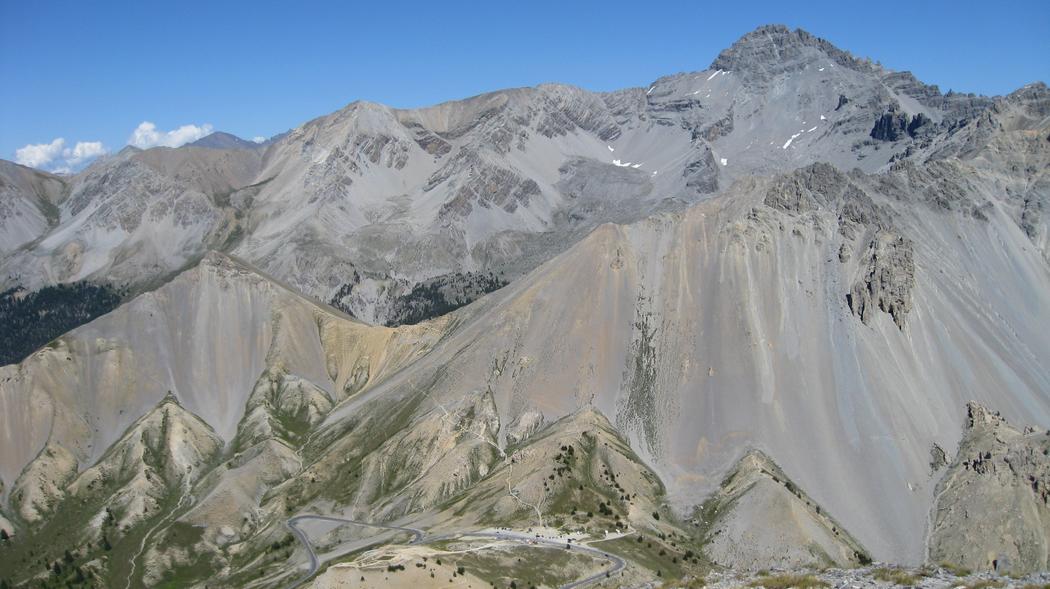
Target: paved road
(293, 524)
(418, 537)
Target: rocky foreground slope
(804, 353)
(996, 465)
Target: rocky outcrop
(806, 189)
(1031, 215)
(917, 124)
(887, 279)
(429, 141)
(958, 107)
(381, 149)
(823, 187)
(760, 519)
(858, 211)
(523, 426)
(478, 181)
(701, 173)
(568, 108)
(895, 125)
(717, 129)
(891, 126)
(993, 504)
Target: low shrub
(788, 581)
(895, 576)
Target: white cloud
(82, 152)
(258, 139)
(146, 135)
(56, 157)
(40, 154)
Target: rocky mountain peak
(128, 150)
(1033, 98)
(775, 48)
(223, 140)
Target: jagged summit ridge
(777, 49)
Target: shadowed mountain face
(737, 315)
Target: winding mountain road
(293, 525)
(418, 537)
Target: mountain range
(786, 311)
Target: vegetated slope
(206, 336)
(221, 356)
(31, 319)
(366, 205)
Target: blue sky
(91, 73)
